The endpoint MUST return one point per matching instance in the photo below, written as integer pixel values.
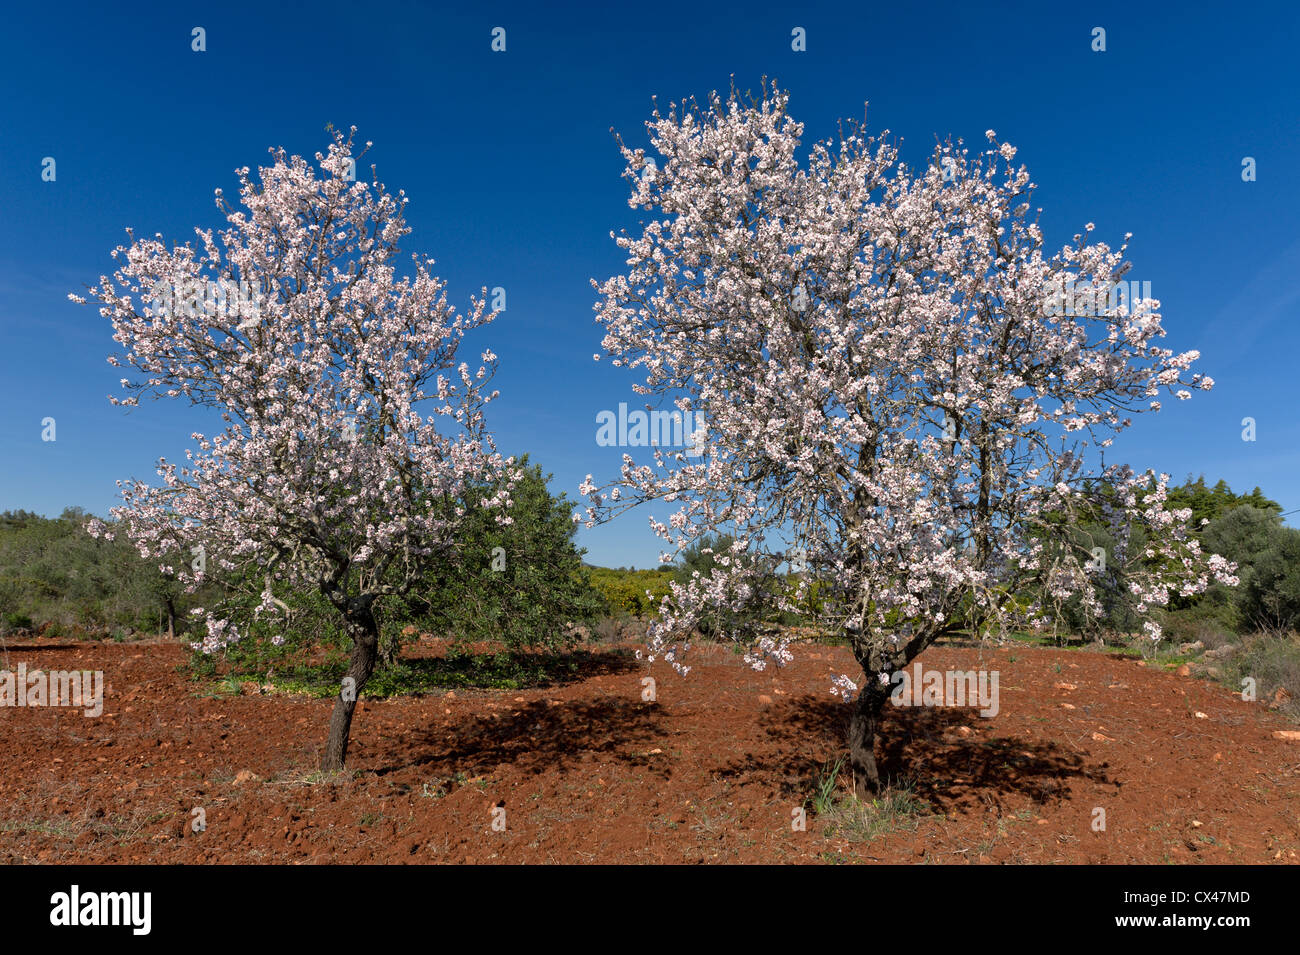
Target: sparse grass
(823, 801)
(861, 819)
(433, 790)
(313, 777)
(63, 829)
(1273, 661)
(1170, 657)
(114, 827)
(709, 824)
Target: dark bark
(862, 738)
(864, 723)
(364, 631)
(390, 645)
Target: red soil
(587, 772)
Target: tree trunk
(390, 647)
(365, 650)
(862, 737)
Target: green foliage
(624, 591)
(18, 621)
(824, 799)
(848, 816)
(310, 631)
(522, 584)
(1268, 558)
(499, 671)
(55, 576)
(1270, 597)
(1213, 620)
(523, 587)
(701, 556)
(1211, 503)
(1242, 534)
(1245, 528)
(1111, 583)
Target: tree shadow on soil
(967, 641)
(915, 744)
(539, 736)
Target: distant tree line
(531, 589)
(535, 592)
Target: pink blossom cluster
(348, 419)
(221, 634)
(885, 391)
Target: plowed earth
(586, 771)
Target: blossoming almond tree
(896, 400)
(350, 428)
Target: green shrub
(57, 575)
(624, 591)
(18, 621)
(1214, 622)
(1268, 558)
(522, 585)
(1273, 662)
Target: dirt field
(587, 772)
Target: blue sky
(514, 181)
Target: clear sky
(514, 181)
